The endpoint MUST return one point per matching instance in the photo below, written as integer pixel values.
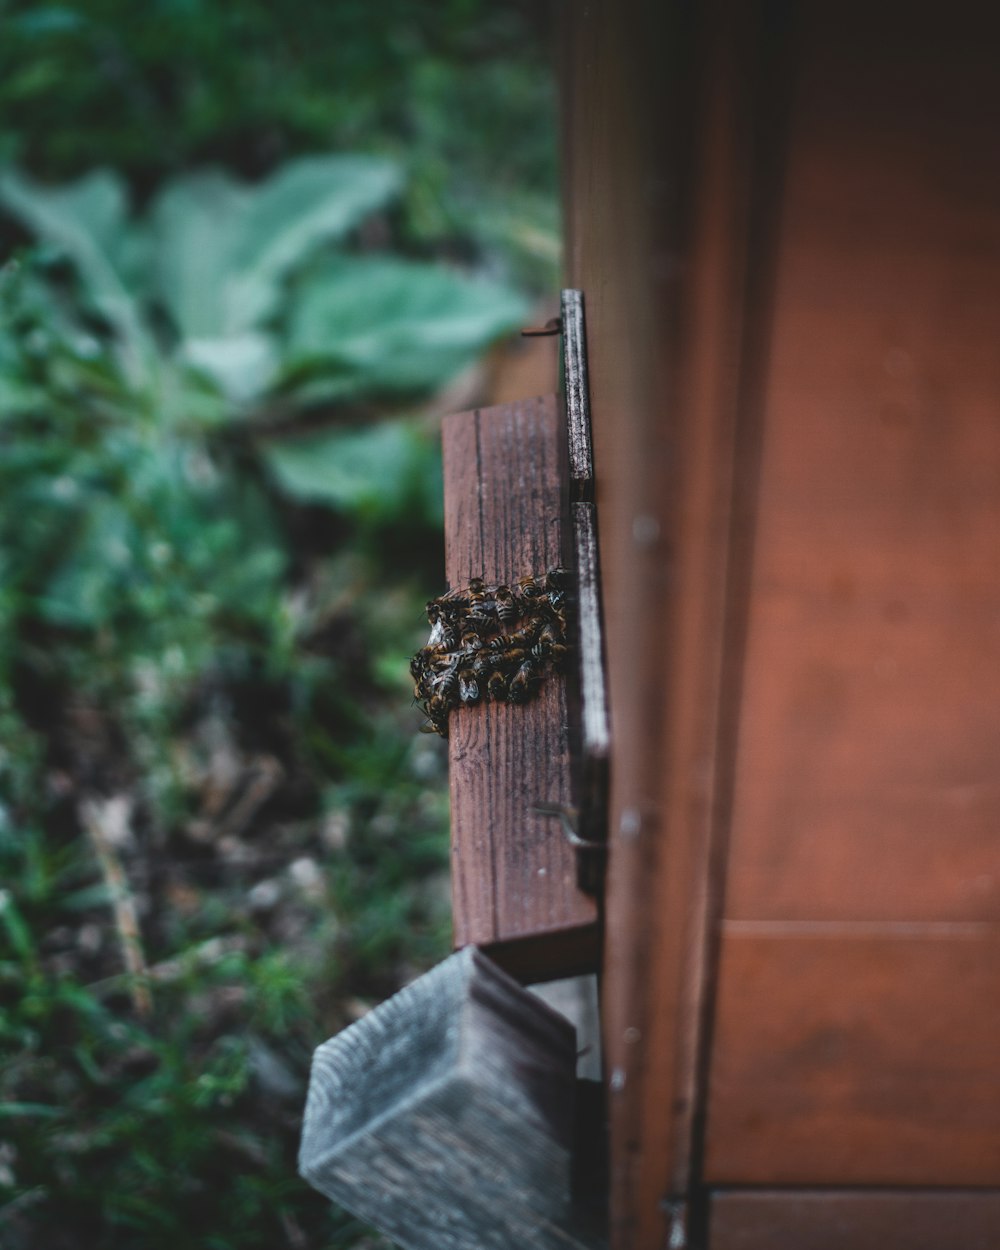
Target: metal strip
(581, 456)
(595, 731)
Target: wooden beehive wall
(786, 220)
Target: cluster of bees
(491, 642)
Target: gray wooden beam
(445, 1116)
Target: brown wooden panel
(867, 782)
(853, 1054)
(513, 871)
(863, 787)
(880, 1220)
(660, 132)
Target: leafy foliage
(204, 631)
(214, 260)
(222, 512)
(457, 90)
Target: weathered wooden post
(445, 1117)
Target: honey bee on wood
(484, 664)
(437, 710)
(480, 623)
(491, 642)
(468, 687)
(522, 681)
(447, 683)
(477, 594)
(507, 609)
(528, 587)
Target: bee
(483, 664)
(447, 684)
(559, 656)
(523, 637)
(495, 642)
(522, 682)
(477, 594)
(437, 716)
(506, 604)
(528, 587)
(480, 622)
(557, 601)
(468, 687)
(442, 636)
(496, 686)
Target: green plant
(220, 500)
(456, 90)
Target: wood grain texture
(856, 1054)
(867, 782)
(514, 884)
(444, 1117)
(804, 721)
(657, 101)
(875, 1220)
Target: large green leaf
(223, 248)
(310, 201)
(87, 222)
(241, 366)
(380, 324)
(195, 224)
(377, 472)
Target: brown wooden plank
(867, 781)
(660, 240)
(891, 116)
(844, 1220)
(513, 871)
(852, 1054)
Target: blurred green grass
(244, 250)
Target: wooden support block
(854, 1220)
(444, 1117)
(514, 871)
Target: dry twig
(106, 823)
